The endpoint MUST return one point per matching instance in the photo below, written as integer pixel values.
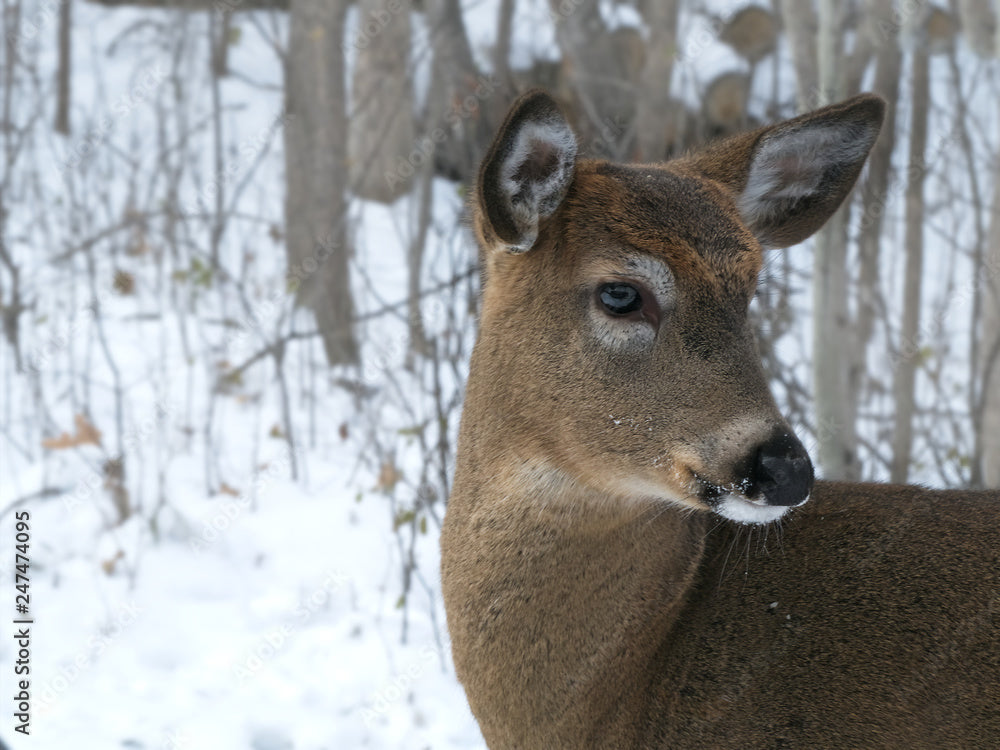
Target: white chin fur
(741, 510)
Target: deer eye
(619, 298)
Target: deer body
(616, 408)
(615, 637)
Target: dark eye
(619, 298)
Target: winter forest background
(238, 297)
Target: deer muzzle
(782, 473)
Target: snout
(781, 472)
(773, 477)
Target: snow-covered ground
(273, 627)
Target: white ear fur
(789, 166)
(535, 174)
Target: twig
(270, 349)
(41, 494)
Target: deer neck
(561, 593)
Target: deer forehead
(689, 221)
(655, 224)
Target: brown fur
(584, 612)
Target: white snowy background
(256, 597)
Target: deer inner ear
(527, 171)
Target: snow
(281, 632)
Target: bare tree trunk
(316, 164)
(451, 44)
(380, 143)
(908, 355)
(218, 226)
(884, 38)
(419, 344)
(65, 67)
(221, 26)
(988, 437)
(977, 21)
(978, 25)
(652, 108)
(577, 32)
(832, 326)
(832, 344)
(418, 341)
(595, 65)
(471, 111)
(11, 303)
(200, 4)
(501, 52)
(800, 22)
(996, 29)
(975, 378)
(867, 42)
(829, 50)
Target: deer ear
(527, 171)
(789, 178)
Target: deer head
(615, 349)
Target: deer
(619, 441)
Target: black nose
(782, 471)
